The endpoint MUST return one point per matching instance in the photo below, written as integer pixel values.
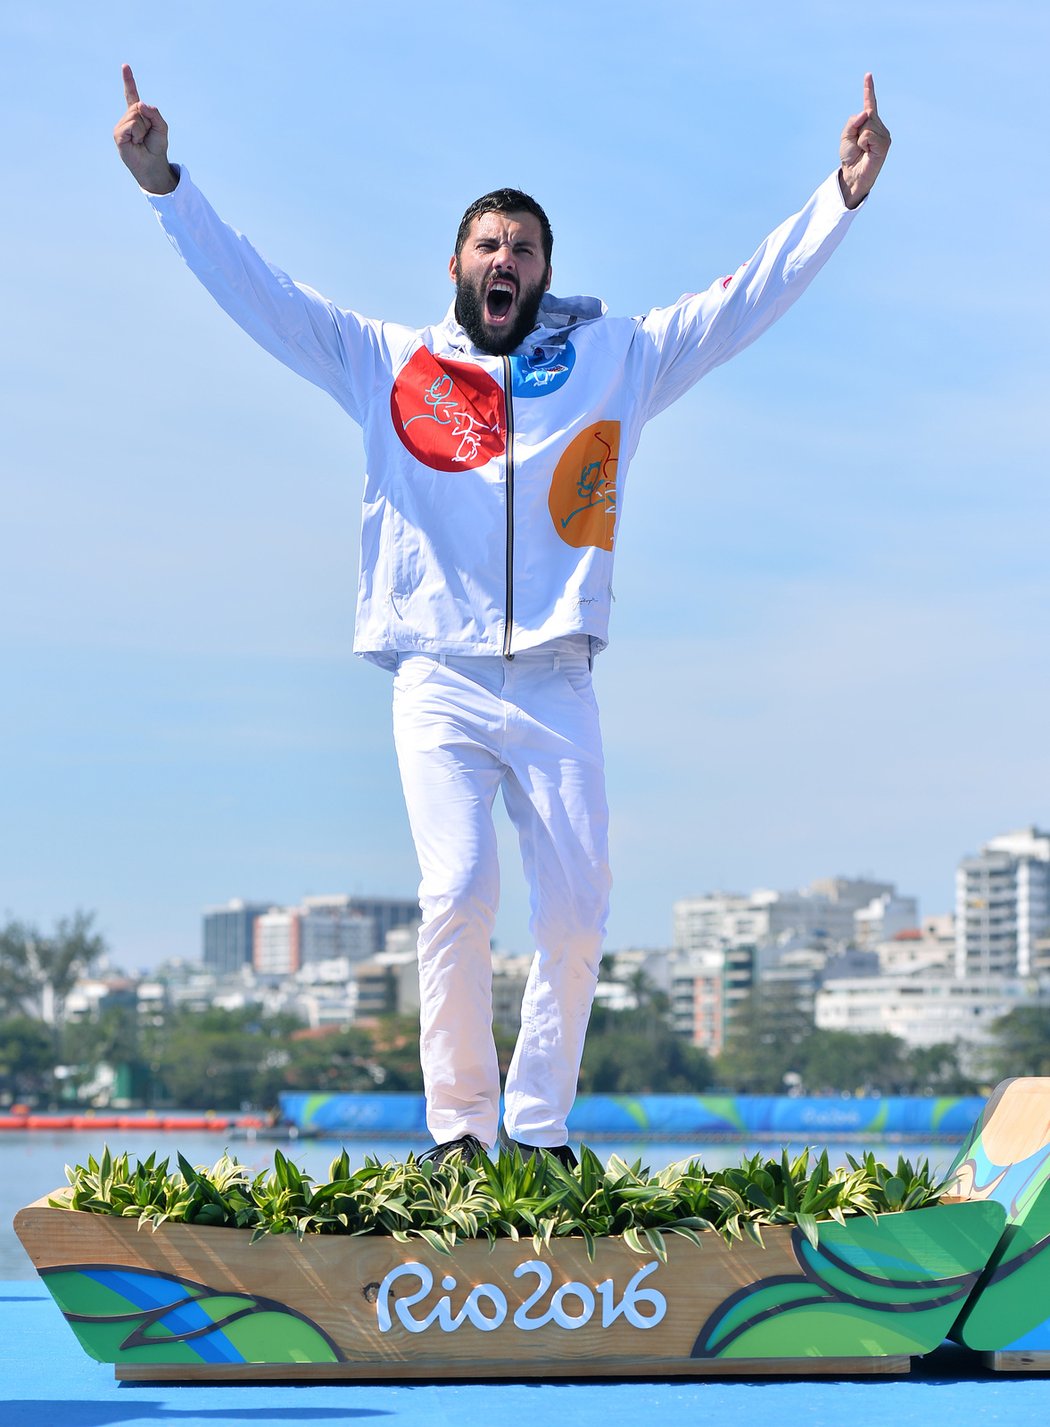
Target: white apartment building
(1002, 905)
(826, 912)
(714, 921)
(509, 976)
(614, 991)
(626, 964)
(725, 942)
(325, 1003)
(924, 1008)
(930, 946)
(388, 983)
(811, 916)
(727, 919)
(852, 892)
(884, 917)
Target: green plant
(508, 1197)
(797, 1191)
(150, 1193)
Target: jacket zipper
(508, 402)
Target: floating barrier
(677, 1117)
(194, 1122)
(593, 1117)
(137, 1123)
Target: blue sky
(829, 642)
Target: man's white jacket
(495, 485)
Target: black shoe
(562, 1153)
(468, 1147)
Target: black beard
(470, 314)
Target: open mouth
(499, 300)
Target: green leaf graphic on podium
(129, 1315)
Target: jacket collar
(556, 319)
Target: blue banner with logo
(742, 1117)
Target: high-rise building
(386, 914)
(227, 936)
(1002, 906)
(329, 929)
(276, 948)
(707, 988)
(337, 927)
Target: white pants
(465, 727)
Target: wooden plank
(1016, 1360)
(481, 1369)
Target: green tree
(382, 1055)
(113, 1037)
(857, 1063)
(339, 1061)
(937, 1070)
(625, 1062)
(219, 1059)
(1020, 1044)
(395, 1041)
(636, 1052)
(772, 1038)
(26, 1060)
(16, 983)
(37, 971)
(764, 1041)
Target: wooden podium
(205, 1304)
(197, 1304)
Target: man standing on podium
(497, 445)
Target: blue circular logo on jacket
(542, 371)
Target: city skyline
(828, 642)
(886, 905)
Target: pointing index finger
(869, 95)
(131, 94)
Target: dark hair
(506, 200)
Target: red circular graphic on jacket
(450, 415)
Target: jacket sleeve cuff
(836, 192)
(167, 200)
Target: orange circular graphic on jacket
(450, 415)
(582, 497)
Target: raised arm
(340, 351)
(703, 330)
(865, 144)
(141, 137)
